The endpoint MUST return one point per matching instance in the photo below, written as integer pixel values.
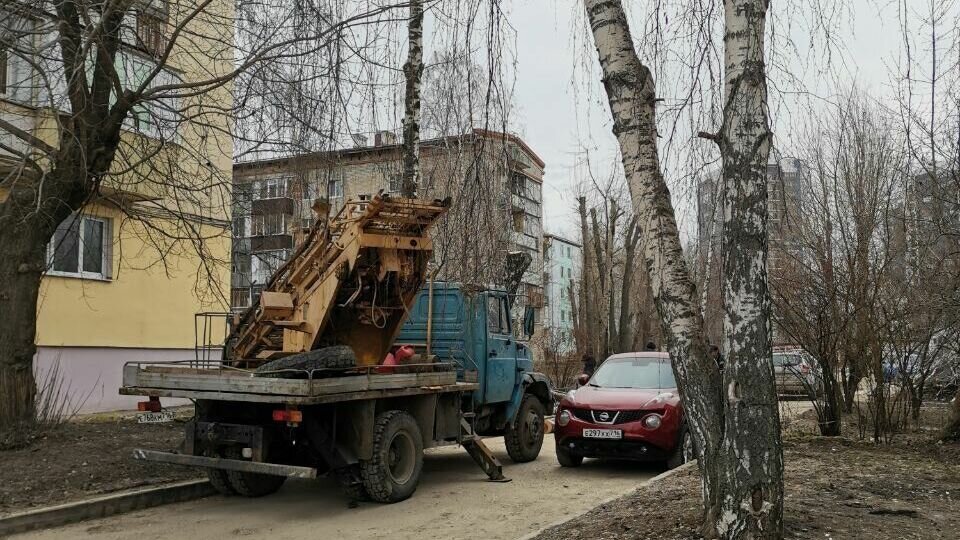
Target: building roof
(360, 150)
(562, 239)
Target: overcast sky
(557, 121)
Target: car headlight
(563, 418)
(652, 421)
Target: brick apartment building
(494, 181)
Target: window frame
(150, 28)
(106, 251)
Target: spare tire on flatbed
(336, 357)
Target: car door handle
(493, 353)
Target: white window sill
(84, 276)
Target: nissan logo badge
(604, 416)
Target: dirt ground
(453, 501)
(84, 458)
(835, 488)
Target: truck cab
(472, 328)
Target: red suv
(629, 409)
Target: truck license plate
(155, 417)
(603, 433)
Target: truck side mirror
(583, 379)
(529, 319)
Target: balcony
(271, 242)
(278, 205)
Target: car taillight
(287, 415)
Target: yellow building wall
(149, 303)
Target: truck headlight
(563, 418)
(652, 421)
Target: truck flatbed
(214, 381)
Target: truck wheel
(251, 484)
(393, 472)
(525, 438)
(218, 477)
(566, 459)
(336, 357)
(683, 452)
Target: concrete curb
(103, 506)
(657, 478)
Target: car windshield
(785, 360)
(634, 372)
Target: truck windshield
(634, 372)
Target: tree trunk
(831, 418)
(631, 95)
(413, 73)
(626, 328)
(25, 230)
(753, 474)
(21, 267)
(952, 430)
(851, 383)
(589, 323)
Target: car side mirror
(583, 379)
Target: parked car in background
(795, 373)
(629, 409)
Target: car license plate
(155, 417)
(603, 433)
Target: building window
(335, 189)
(239, 226)
(240, 298)
(152, 31)
(568, 252)
(274, 188)
(269, 224)
(264, 264)
(396, 183)
(81, 247)
(517, 220)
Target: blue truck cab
(472, 328)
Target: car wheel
(684, 451)
(525, 438)
(566, 459)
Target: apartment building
(117, 288)
(561, 269)
(494, 181)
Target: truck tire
(251, 484)
(683, 452)
(393, 472)
(566, 459)
(218, 477)
(336, 357)
(525, 437)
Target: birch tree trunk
(413, 73)
(631, 95)
(752, 475)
